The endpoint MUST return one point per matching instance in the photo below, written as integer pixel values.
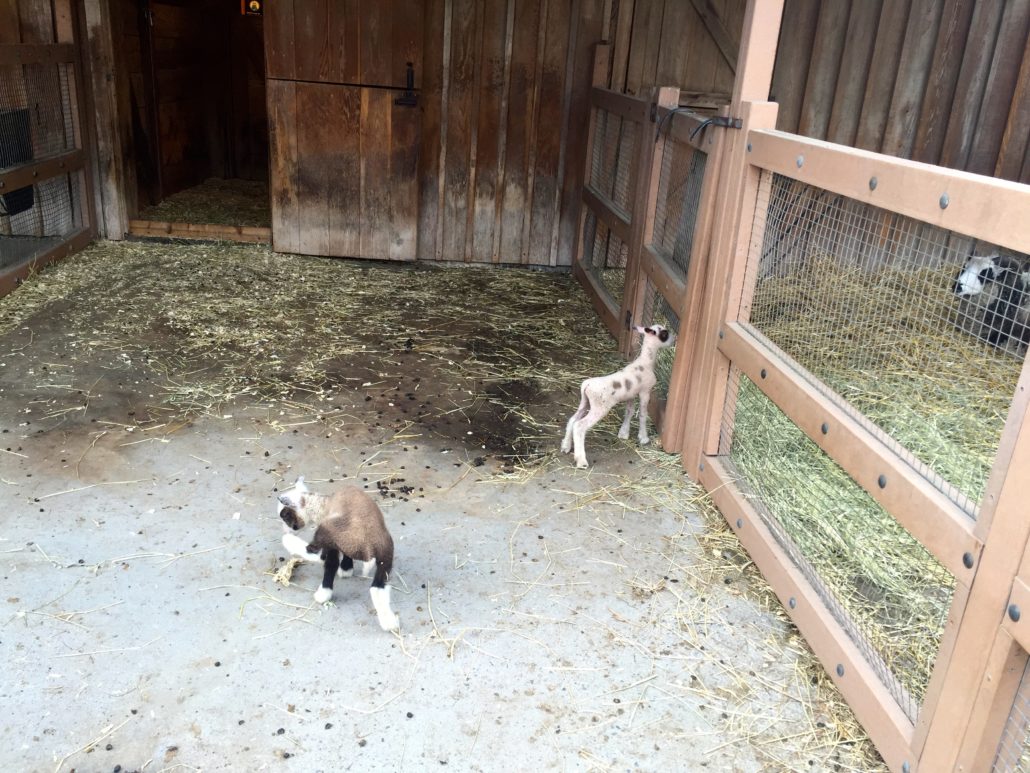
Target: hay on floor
(216, 201)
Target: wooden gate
(344, 128)
(46, 206)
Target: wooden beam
(982, 207)
(232, 233)
(602, 302)
(31, 174)
(12, 276)
(633, 108)
(616, 220)
(874, 706)
(36, 53)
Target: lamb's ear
(649, 330)
(638, 329)
(664, 335)
(299, 485)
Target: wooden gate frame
(986, 639)
(66, 50)
(983, 653)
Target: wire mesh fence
(614, 158)
(870, 304)
(38, 120)
(605, 256)
(679, 200)
(885, 590)
(1014, 750)
(656, 310)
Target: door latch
(409, 98)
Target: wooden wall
(941, 81)
(248, 120)
(504, 91)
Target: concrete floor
(559, 620)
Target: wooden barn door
(344, 132)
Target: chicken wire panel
(37, 119)
(1014, 750)
(54, 214)
(656, 310)
(866, 301)
(679, 199)
(886, 591)
(614, 156)
(604, 256)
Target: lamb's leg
(566, 444)
(624, 429)
(645, 398)
(380, 592)
(295, 546)
(579, 434)
(332, 563)
(346, 566)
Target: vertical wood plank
(315, 151)
(343, 168)
(890, 36)
(797, 36)
(913, 75)
(978, 62)
(854, 71)
(643, 52)
(1016, 140)
(520, 119)
(406, 45)
(344, 28)
(432, 101)
(279, 44)
(377, 59)
(490, 86)
(311, 40)
(940, 88)
(548, 137)
(1000, 95)
(457, 169)
(620, 45)
(282, 144)
(573, 161)
(827, 50)
(376, 113)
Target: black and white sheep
(349, 527)
(994, 293)
(600, 394)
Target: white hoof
(388, 621)
(344, 573)
(623, 434)
(581, 464)
(323, 595)
(644, 441)
(566, 446)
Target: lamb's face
(291, 505)
(661, 335)
(975, 275)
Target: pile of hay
(887, 343)
(216, 202)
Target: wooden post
(977, 659)
(735, 205)
(648, 170)
(113, 135)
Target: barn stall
(810, 307)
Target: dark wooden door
(343, 152)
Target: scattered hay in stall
(887, 342)
(499, 355)
(216, 202)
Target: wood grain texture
(1016, 140)
(797, 34)
(827, 50)
(283, 162)
(855, 62)
(883, 70)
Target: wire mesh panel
(614, 158)
(605, 256)
(879, 583)
(1014, 750)
(679, 199)
(868, 302)
(656, 310)
(38, 121)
